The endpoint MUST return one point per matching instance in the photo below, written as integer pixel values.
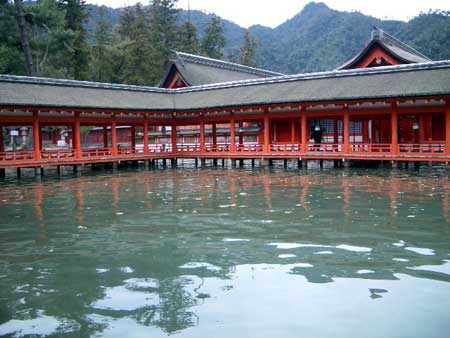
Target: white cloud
(272, 13)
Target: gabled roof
(198, 70)
(394, 47)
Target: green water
(226, 253)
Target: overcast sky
(271, 13)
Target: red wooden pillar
(145, 137)
(37, 146)
(76, 136)
(173, 137)
(447, 129)
(133, 137)
(429, 128)
(394, 130)
(105, 137)
(304, 133)
(292, 131)
(365, 130)
(241, 137)
(214, 135)
(266, 132)
(335, 131)
(113, 138)
(202, 135)
(421, 129)
(346, 132)
(232, 134)
(2, 148)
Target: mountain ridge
(318, 37)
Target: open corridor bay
(226, 253)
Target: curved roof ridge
(324, 74)
(275, 79)
(385, 35)
(390, 44)
(78, 83)
(224, 64)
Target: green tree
(163, 32)
(187, 38)
(11, 57)
(248, 49)
(100, 56)
(24, 41)
(133, 42)
(213, 41)
(78, 57)
(48, 38)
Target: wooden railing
(159, 148)
(217, 147)
(325, 147)
(437, 148)
(98, 152)
(20, 155)
(127, 151)
(285, 148)
(250, 148)
(56, 154)
(188, 148)
(370, 148)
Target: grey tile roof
(199, 70)
(397, 48)
(32, 91)
(411, 80)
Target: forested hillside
(71, 39)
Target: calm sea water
(226, 253)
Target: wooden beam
(36, 138)
(145, 137)
(232, 134)
(346, 132)
(304, 133)
(447, 129)
(114, 138)
(76, 137)
(173, 137)
(202, 136)
(2, 147)
(266, 132)
(394, 130)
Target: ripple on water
(421, 251)
(200, 265)
(235, 240)
(39, 326)
(286, 246)
(353, 248)
(121, 298)
(126, 269)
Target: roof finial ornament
(377, 33)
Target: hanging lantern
(415, 125)
(317, 127)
